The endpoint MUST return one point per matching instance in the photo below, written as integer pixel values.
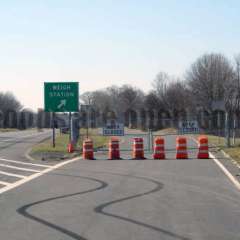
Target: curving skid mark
(24, 210)
(159, 186)
(100, 208)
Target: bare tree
(177, 98)
(235, 87)
(209, 78)
(9, 102)
(152, 101)
(87, 98)
(130, 97)
(160, 84)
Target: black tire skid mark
(24, 209)
(100, 209)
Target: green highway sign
(61, 96)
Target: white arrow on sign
(62, 104)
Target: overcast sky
(101, 42)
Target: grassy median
(3, 130)
(220, 142)
(45, 150)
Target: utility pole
(87, 120)
(88, 107)
(227, 129)
(237, 59)
(70, 127)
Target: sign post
(53, 128)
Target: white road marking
(5, 183)
(12, 174)
(19, 168)
(224, 169)
(226, 172)
(36, 175)
(24, 163)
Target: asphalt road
(15, 144)
(123, 199)
(14, 166)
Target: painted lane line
(36, 175)
(12, 174)
(19, 168)
(5, 183)
(226, 172)
(224, 169)
(24, 163)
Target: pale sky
(101, 42)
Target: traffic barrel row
(113, 149)
(138, 148)
(181, 148)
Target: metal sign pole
(53, 131)
(87, 120)
(149, 140)
(70, 127)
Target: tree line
(209, 89)
(12, 113)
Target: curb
(27, 155)
(228, 156)
(234, 162)
(225, 170)
(232, 178)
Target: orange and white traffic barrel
(181, 148)
(88, 150)
(113, 150)
(159, 149)
(138, 148)
(203, 152)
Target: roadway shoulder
(228, 162)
